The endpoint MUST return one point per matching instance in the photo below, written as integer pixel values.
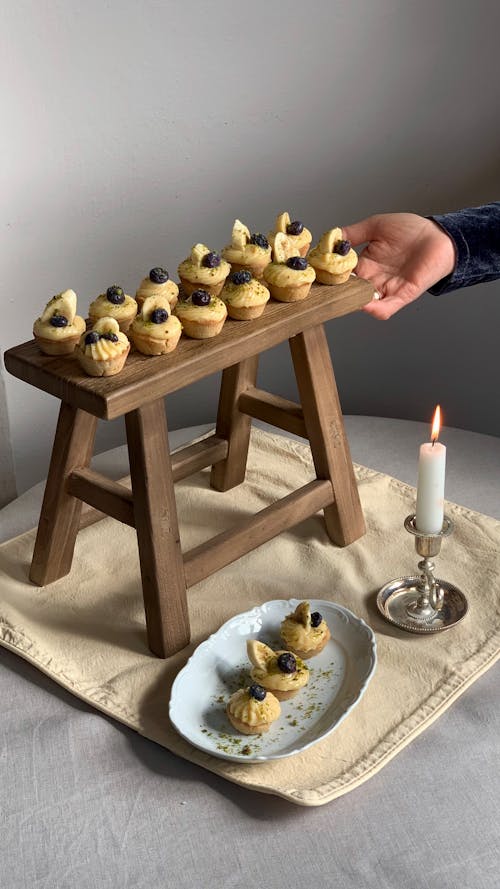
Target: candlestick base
(397, 599)
(423, 604)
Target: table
(138, 392)
(87, 803)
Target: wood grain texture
(146, 379)
(326, 433)
(106, 496)
(162, 570)
(198, 455)
(184, 462)
(233, 425)
(60, 514)
(253, 531)
(273, 409)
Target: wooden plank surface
(184, 462)
(273, 409)
(155, 512)
(325, 430)
(107, 497)
(146, 379)
(254, 530)
(233, 425)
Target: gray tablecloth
(88, 804)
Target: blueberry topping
(112, 337)
(200, 298)
(242, 277)
(257, 692)
(298, 263)
(115, 295)
(158, 316)
(295, 228)
(342, 247)
(211, 260)
(92, 337)
(259, 240)
(59, 321)
(287, 662)
(316, 619)
(158, 275)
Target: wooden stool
(149, 505)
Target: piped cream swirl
(247, 709)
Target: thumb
(360, 232)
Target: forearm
(475, 233)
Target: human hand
(404, 255)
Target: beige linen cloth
(87, 630)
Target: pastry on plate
(289, 276)
(115, 303)
(58, 329)
(245, 297)
(157, 283)
(247, 251)
(303, 633)
(252, 710)
(102, 351)
(333, 258)
(203, 270)
(201, 315)
(299, 235)
(155, 331)
(280, 672)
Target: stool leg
(155, 513)
(233, 425)
(325, 431)
(60, 513)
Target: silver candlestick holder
(423, 604)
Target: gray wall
(137, 128)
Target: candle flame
(436, 424)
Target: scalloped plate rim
(254, 613)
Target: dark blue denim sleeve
(476, 235)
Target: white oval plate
(219, 666)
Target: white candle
(430, 484)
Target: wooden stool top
(145, 379)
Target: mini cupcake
(303, 633)
(115, 303)
(300, 236)
(244, 296)
(280, 672)
(333, 259)
(102, 351)
(247, 251)
(203, 270)
(157, 283)
(252, 710)
(155, 331)
(201, 315)
(289, 276)
(59, 328)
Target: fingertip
(358, 232)
(378, 309)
